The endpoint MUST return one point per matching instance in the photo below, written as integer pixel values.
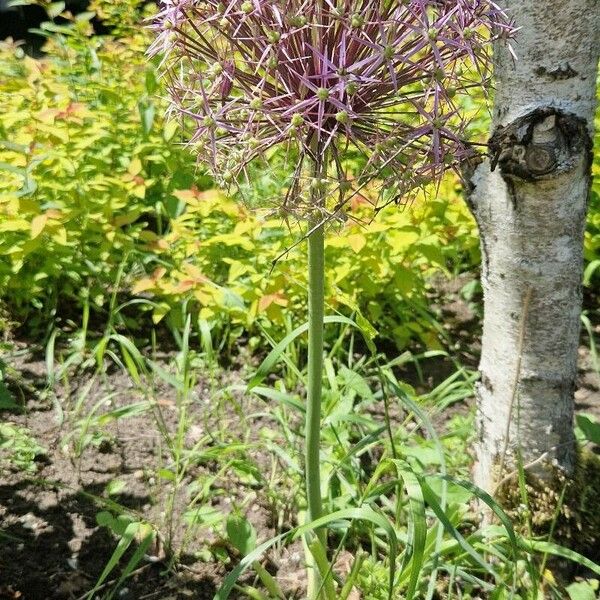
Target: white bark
(531, 213)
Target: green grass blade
(431, 499)
(134, 561)
(417, 529)
(124, 543)
(494, 506)
(273, 357)
(557, 550)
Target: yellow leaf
(58, 132)
(549, 577)
(357, 242)
(37, 225)
(135, 166)
(170, 130)
(59, 235)
(194, 272)
(159, 312)
(139, 191)
(266, 301)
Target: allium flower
(378, 78)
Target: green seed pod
(297, 120)
(357, 21)
(323, 94)
(342, 117)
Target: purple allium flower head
(378, 79)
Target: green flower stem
(316, 310)
(316, 314)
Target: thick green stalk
(316, 313)
(316, 309)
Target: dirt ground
(51, 546)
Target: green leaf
(431, 499)
(136, 557)
(556, 550)
(146, 110)
(363, 513)
(113, 561)
(7, 402)
(269, 362)
(592, 267)
(203, 516)
(241, 534)
(417, 527)
(54, 9)
(589, 427)
(582, 590)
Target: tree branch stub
(542, 144)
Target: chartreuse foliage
(93, 181)
(83, 162)
(220, 254)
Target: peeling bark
(530, 202)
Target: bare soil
(51, 546)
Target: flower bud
(297, 120)
(342, 117)
(323, 94)
(273, 36)
(357, 21)
(298, 21)
(351, 88)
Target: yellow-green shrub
(221, 255)
(85, 167)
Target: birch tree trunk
(530, 201)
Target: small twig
(113, 581)
(508, 477)
(529, 465)
(520, 343)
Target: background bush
(98, 196)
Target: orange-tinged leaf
(185, 286)
(194, 272)
(142, 285)
(159, 245)
(159, 273)
(48, 115)
(54, 213)
(269, 299)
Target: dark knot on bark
(542, 144)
